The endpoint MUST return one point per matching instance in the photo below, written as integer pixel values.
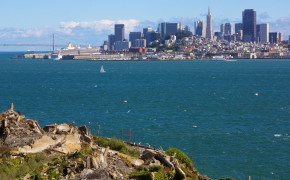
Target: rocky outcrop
(28, 137)
(78, 155)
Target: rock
(88, 174)
(147, 155)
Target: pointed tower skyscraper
(209, 33)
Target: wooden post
(130, 134)
(99, 130)
(249, 177)
(122, 132)
(12, 107)
(205, 166)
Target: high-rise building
(119, 32)
(200, 28)
(229, 29)
(146, 30)
(273, 37)
(111, 40)
(264, 33)
(280, 35)
(151, 36)
(122, 45)
(187, 28)
(249, 25)
(209, 32)
(140, 43)
(166, 28)
(133, 36)
(222, 28)
(238, 27)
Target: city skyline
(93, 28)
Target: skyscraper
(223, 28)
(229, 29)
(111, 39)
(133, 36)
(209, 33)
(238, 27)
(249, 25)
(119, 32)
(166, 28)
(200, 28)
(264, 33)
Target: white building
(264, 33)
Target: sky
(91, 21)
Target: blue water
(205, 108)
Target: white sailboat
(102, 69)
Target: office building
(209, 32)
(146, 30)
(133, 36)
(187, 28)
(151, 36)
(140, 43)
(249, 25)
(273, 37)
(280, 35)
(229, 29)
(200, 28)
(122, 45)
(222, 28)
(238, 27)
(264, 33)
(111, 42)
(166, 28)
(119, 32)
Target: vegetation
(181, 156)
(117, 145)
(147, 174)
(14, 168)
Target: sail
(102, 69)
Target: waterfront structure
(209, 32)
(249, 25)
(222, 28)
(238, 27)
(119, 32)
(133, 36)
(229, 29)
(200, 28)
(122, 45)
(166, 28)
(264, 33)
(111, 41)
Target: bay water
(231, 118)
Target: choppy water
(207, 109)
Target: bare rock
(89, 174)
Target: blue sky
(90, 21)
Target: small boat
(56, 56)
(218, 58)
(102, 69)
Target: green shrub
(181, 156)
(117, 145)
(141, 175)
